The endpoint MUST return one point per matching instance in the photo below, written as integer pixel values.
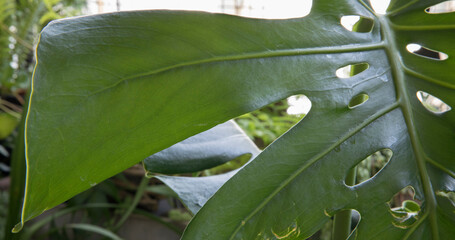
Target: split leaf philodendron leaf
(205, 150)
(213, 147)
(110, 90)
(195, 191)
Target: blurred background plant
(20, 23)
(265, 125)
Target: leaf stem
(137, 197)
(11, 105)
(10, 112)
(405, 104)
(342, 220)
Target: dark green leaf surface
(195, 191)
(205, 150)
(110, 90)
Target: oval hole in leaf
(421, 51)
(298, 105)
(351, 70)
(371, 165)
(358, 100)
(444, 7)
(404, 208)
(432, 103)
(356, 23)
(447, 194)
(355, 220)
(380, 6)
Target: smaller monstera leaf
(205, 150)
(195, 191)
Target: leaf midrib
(253, 55)
(398, 72)
(403, 102)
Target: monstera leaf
(195, 191)
(205, 150)
(110, 90)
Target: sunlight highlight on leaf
(380, 6)
(432, 103)
(356, 23)
(421, 51)
(440, 8)
(351, 70)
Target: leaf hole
(291, 232)
(449, 195)
(351, 70)
(404, 208)
(370, 166)
(444, 7)
(268, 123)
(358, 100)
(356, 23)
(432, 103)
(421, 51)
(355, 217)
(265, 125)
(380, 6)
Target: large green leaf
(110, 90)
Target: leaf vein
(317, 158)
(268, 54)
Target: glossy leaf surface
(110, 90)
(205, 150)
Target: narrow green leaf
(94, 229)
